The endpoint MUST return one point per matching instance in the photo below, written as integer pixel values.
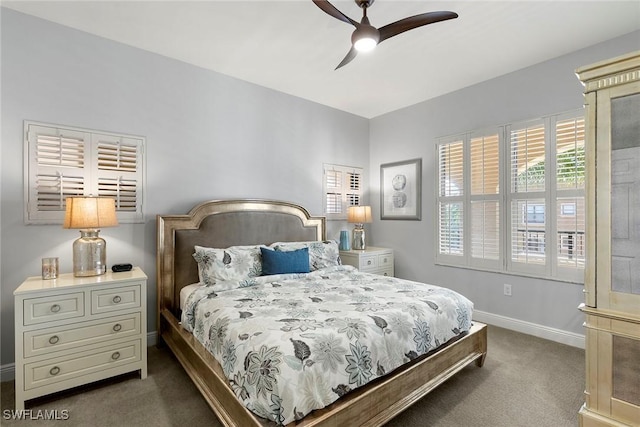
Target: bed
(246, 223)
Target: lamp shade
(359, 214)
(90, 213)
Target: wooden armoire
(612, 273)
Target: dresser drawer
(114, 299)
(50, 340)
(51, 371)
(50, 309)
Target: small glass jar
(49, 268)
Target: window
(533, 214)
(342, 187)
(62, 162)
(532, 175)
(568, 209)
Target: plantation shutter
(570, 197)
(119, 165)
(450, 199)
(62, 162)
(512, 198)
(528, 209)
(57, 168)
(342, 187)
(485, 200)
(333, 192)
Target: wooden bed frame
(226, 223)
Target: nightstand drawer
(81, 364)
(114, 299)
(80, 335)
(385, 261)
(385, 272)
(368, 262)
(50, 309)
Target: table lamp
(359, 215)
(89, 214)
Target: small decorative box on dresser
(71, 331)
(370, 260)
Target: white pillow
(230, 264)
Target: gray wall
(208, 136)
(204, 129)
(543, 89)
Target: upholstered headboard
(220, 224)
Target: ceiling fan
(366, 36)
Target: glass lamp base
(89, 254)
(358, 239)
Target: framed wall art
(401, 190)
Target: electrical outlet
(507, 289)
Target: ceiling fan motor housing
(364, 3)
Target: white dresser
(71, 331)
(370, 260)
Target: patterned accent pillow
(233, 263)
(321, 254)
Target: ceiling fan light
(365, 44)
(365, 37)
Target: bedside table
(71, 331)
(370, 260)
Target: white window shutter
(342, 187)
(485, 187)
(57, 168)
(61, 162)
(528, 206)
(119, 172)
(512, 199)
(570, 197)
(451, 193)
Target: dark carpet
(525, 381)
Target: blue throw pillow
(282, 262)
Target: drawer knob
(116, 355)
(384, 260)
(54, 371)
(385, 274)
(116, 299)
(117, 327)
(369, 262)
(54, 339)
(55, 308)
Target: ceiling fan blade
(350, 55)
(330, 9)
(412, 22)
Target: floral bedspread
(293, 343)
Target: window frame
(552, 268)
(110, 163)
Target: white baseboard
(540, 331)
(8, 371)
(152, 338)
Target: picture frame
(401, 190)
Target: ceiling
(293, 47)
